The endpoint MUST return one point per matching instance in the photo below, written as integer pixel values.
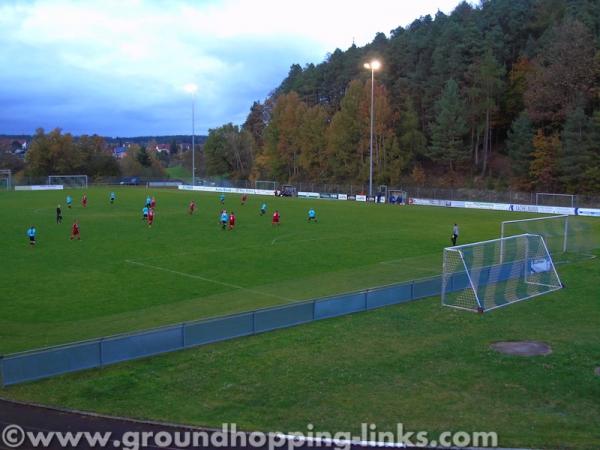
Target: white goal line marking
(209, 280)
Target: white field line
(247, 247)
(209, 280)
(217, 250)
(281, 237)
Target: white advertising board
(40, 187)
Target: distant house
(160, 148)
(119, 152)
(19, 147)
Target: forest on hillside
(503, 94)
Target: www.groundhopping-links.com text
(14, 436)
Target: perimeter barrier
(96, 353)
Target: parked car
(130, 181)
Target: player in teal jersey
(31, 232)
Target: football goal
(476, 278)
(5, 179)
(549, 199)
(554, 230)
(287, 190)
(397, 197)
(69, 181)
(568, 237)
(265, 185)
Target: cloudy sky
(118, 67)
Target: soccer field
(124, 276)
(420, 364)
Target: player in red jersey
(244, 198)
(150, 217)
(153, 203)
(192, 207)
(84, 200)
(231, 220)
(75, 231)
(275, 220)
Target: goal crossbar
(565, 231)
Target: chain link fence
(464, 194)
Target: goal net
(477, 278)
(549, 199)
(69, 181)
(265, 185)
(397, 197)
(554, 230)
(5, 180)
(563, 234)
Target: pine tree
(576, 154)
(488, 79)
(520, 146)
(312, 141)
(448, 131)
(412, 141)
(345, 153)
(543, 168)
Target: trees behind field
(501, 94)
(505, 92)
(57, 153)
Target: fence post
(254, 322)
(183, 335)
(101, 351)
(1, 370)
(412, 289)
(366, 300)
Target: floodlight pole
(371, 140)
(193, 136)
(191, 88)
(373, 66)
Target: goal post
(550, 199)
(475, 278)
(69, 181)
(5, 179)
(398, 197)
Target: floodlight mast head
(373, 65)
(190, 88)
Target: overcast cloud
(117, 67)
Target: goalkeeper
(454, 236)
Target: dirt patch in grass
(522, 348)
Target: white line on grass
(209, 280)
(248, 247)
(280, 237)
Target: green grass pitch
(420, 364)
